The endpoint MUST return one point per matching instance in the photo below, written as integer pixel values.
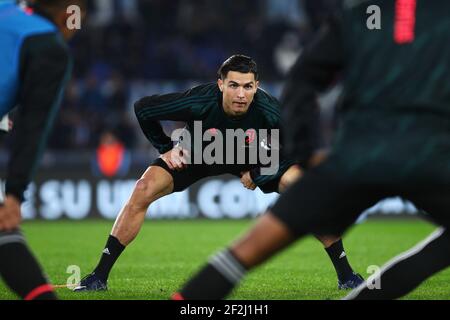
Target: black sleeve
(45, 69)
(173, 107)
(273, 123)
(314, 71)
(150, 110)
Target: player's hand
(10, 216)
(176, 159)
(247, 181)
(317, 158)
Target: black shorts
(195, 172)
(326, 201)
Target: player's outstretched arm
(173, 107)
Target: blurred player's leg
(325, 203)
(226, 269)
(155, 183)
(408, 270)
(347, 278)
(28, 281)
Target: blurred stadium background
(131, 48)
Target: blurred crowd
(126, 43)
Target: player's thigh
(324, 202)
(182, 179)
(154, 183)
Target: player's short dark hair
(238, 63)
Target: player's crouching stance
(234, 102)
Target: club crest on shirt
(250, 136)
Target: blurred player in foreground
(34, 68)
(394, 140)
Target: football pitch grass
(165, 253)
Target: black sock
(215, 281)
(112, 251)
(339, 258)
(20, 270)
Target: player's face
(238, 91)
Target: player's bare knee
(144, 190)
(142, 185)
(145, 187)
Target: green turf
(167, 252)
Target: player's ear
(220, 84)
